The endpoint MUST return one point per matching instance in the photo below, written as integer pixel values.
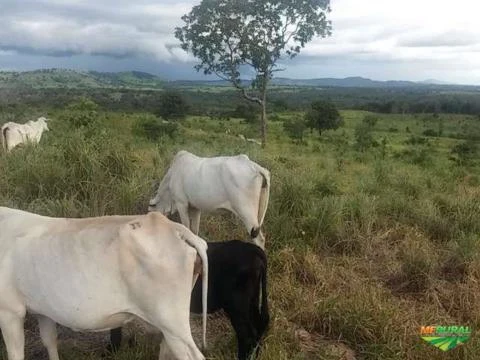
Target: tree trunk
(264, 117)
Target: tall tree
(231, 36)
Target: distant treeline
(218, 100)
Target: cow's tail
(4, 138)
(264, 194)
(201, 246)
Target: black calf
(237, 271)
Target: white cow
(14, 134)
(96, 274)
(235, 183)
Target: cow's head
(162, 201)
(43, 122)
(258, 238)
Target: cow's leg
(183, 212)
(13, 334)
(244, 330)
(115, 340)
(165, 353)
(256, 316)
(182, 346)
(48, 334)
(237, 307)
(175, 327)
(194, 215)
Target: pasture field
(364, 247)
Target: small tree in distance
(364, 133)
(231, 36)
(323, 115)
(295, 128)
(247, 112)
(172, 106)
(82, 113)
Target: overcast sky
(379, 39)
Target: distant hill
(435, 82)
(352, 82)
(64, 78)
(346, 82)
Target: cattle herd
(97, 274)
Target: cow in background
(13, 134)
(194, 184)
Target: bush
(430, 132)
(295, 128)
(172, 106)
(279, 105)
(82, 113)
(465, 152)
(418, 155)
(370, 120)
(153, 128)
(416, 140)
(364, 133)
(248, 112)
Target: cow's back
(64, 268)
(209, 183)
(230, 263)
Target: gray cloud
(446, 39)
(382, 39)
(117, 29)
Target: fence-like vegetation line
(372, 229)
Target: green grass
(363, 248)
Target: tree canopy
(231, 37)
(323, 115)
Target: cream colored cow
(194, 184)
(14, 134)
(96, 274)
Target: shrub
(419, 155)
(172, 106)
(153, 128)
(82, 113)
(364, 137)
(279, 105)
(430, 132)
(370, 120)
(295, 128)
(465, 152)
(248, 112)
(416, 140)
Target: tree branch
(251, 98)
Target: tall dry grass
(363, 248)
